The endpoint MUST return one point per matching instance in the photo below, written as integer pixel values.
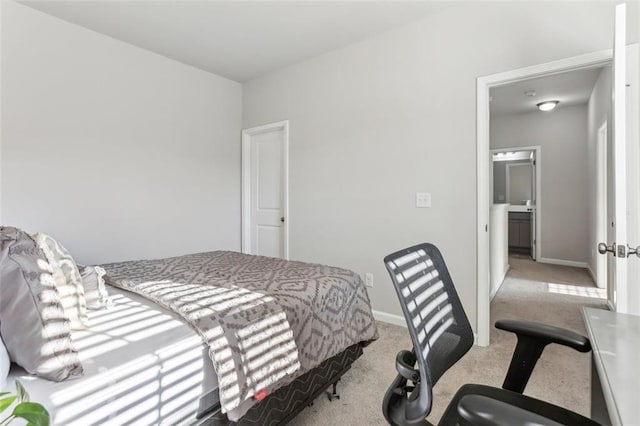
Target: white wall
(599, 111)
(118, 152)
(562, 136)
(375, 122)
(499, 246)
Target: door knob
(282, 219)
(603, 248)
(631, 250)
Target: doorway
(515, 177)
(265, 189)
(484, 84)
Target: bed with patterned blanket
(272, 327)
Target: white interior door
(265, 190)
(617, 211)
(632, 304)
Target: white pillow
(67, 280)
(5, 364)
(95, 289)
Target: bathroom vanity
(520, 229)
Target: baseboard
(563, 262)
(593, 275)
(389, 318)
(398, 320)
(504, 275)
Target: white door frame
(483, 203)
(601, 203)
(538, 150)
(247, 134)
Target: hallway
(554, 295)
(544, 293)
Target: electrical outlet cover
(368, 279)
(423, 199)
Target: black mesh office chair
(441, 335)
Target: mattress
(142, 365)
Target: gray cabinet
(520, 232)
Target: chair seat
(552, 412)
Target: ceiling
(239, 40)
(570, 88)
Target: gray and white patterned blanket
(266, 320)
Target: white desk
(615, 375)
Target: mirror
(513, 178)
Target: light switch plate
(423, 199)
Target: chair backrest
(439, 328)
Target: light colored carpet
(562, 375)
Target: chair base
(394, 405)
(394, 412)
(552, 412)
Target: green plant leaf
(6, 402)
(34, 413)
(4, 393)
(21, 392)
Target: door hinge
(622, 251)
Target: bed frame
(285, 403)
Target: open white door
(632, 304)
(619, 287)
(623, 211)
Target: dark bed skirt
(284, 404)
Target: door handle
(603, 248)
(631, 250)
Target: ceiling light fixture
(547, 105)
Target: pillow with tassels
(67, 279)
(33, 324)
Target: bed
(147, 362)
